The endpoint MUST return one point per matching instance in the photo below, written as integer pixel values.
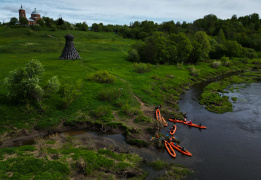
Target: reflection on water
(230, 147)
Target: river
(230, 147)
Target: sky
(126, 11)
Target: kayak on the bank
(164, 122)
(176, 121)
(173, 130)
(189, 123)
(180, 149)
(158, 116)
(170, 149)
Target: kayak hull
(170, 149)
(179, 148)
(184, 122)
(172, 132)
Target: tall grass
(142, 68)
(216, 64)
(103, 77)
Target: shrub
(103, 77)
(70, 92)
(23, 84)
(134, 55)
(180, 65)
(109, 94)
(53, 85)
(216, 64)
(129, 110)
(194, 71)
(36, 27)
(141, 67)
(101, 111)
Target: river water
(230, 147)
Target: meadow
(112, 92)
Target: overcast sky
(126, 11)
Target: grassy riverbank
(124, 104)
(65, 157)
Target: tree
(221, 37)
(183, 46)
(59, 21)
(13, 21)
(23, 20)
(84, 26)
(233, 48)
(48, 21)
(96, 27)
(23, 84)
(202, 38)
(41, 22)
(168, 27)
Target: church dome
(35, 12)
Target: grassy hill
(99, 52)
(126, 105)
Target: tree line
(170, 42)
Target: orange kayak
(172, 131)
(195, 125)
(188, 123)
(158, 116)
(164, 122)
(179, 148)
(170, 149)
(176, 120)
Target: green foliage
(129, 110)
(137, 142)
(36, 27)
(53, 85)
(70, 92)
(202, 38)
(141, 67)
(159, 165)
(134, 56)
(23, 20)
(216, 64)
(103, 77)
(13, 21)
(194, 71)
(23, 84)
(221, 37)
(101, 111)
(109, 94)
(234, 98)
(142, 119)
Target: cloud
(123, 12)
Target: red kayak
(189, 123)
(173, 130)
(170, 149)
(179, 148)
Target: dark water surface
(230, 147)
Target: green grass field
(99, 52)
